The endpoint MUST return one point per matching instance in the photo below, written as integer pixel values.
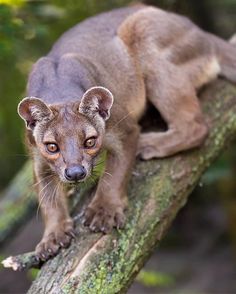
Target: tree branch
(17, 203)
(97, 263)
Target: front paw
(54, 239)
(101, 217)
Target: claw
(80, 215)
(92, 228)
(105, 230)
(62, 244)
(37, 258)
(72, 234)
(43, 256)
(83, 221)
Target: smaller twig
(30, 260)
(22, 261)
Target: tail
(226, 53)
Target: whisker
(41, 200)
(94, 180)
(108, 173)
(39, 182)
(56, 199)
(122, 119)
(107, 183)
(99, 163)
(53, 197)
(95, 173)
(45, 186)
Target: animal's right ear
(33, 110)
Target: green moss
(109, 281)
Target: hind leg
(170, 90)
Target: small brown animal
(140, 54)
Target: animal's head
(69, 137)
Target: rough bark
(97, 263)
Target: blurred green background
(27, 31)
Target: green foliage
(32, 273)
(155, 279)
(12, 2)
(16, 56)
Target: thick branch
(97, 263)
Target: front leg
(58, 224)
(107, 208)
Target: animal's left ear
(97, 100)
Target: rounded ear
(33, 110)
(97, 100)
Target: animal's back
(97, 52)
(89, 54)
(105, 56)
(92, 33)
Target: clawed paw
(59, 237)
(147, 153)
(145, 150)
(103, 218)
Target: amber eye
(89, 143)
(52, 147)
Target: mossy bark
(97, 263)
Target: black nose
(75, 173)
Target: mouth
(73, 183)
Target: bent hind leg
(171, 92)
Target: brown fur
(140, 54)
